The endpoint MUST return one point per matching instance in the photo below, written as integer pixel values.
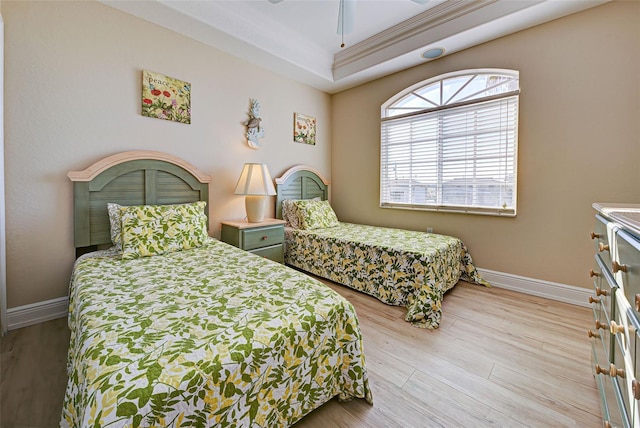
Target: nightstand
(264, 239)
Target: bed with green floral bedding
(399, 267)
(208, 336)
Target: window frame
(508, 96)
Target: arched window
(450, 144)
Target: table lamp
(256, 184)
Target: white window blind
(460, 157)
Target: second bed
(399, 267)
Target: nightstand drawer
(262, 237)
(274, 253)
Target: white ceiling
(299, 39)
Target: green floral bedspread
(206, 337)
(399, 267)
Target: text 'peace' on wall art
(164, 97)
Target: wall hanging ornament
(254, 129)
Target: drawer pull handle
(637, 302)
(635, 386)
(602, 325)
(601, 292)
(591, 334)
(613, 371)
(264, 238)
(618, 267)
(593, 299)
(602, 247)
(594, 235)
(616, 328)
(593, 273)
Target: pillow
(149, 230)
(315, 214)
(116, 225)
(290, 212)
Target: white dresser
(616, 310)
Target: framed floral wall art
(164, 97)
(304, 129)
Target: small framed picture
(304, 129)
(164, 97)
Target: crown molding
(243, 30)
(439, 15)
(453, 25)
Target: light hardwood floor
(499, 358)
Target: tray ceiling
(299, 38)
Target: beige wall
(579, 143)
(72, 96)
(72, 85)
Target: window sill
(458, 210)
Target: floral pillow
(290, 212)
(116, 225)
(149, 230)
(315, 214)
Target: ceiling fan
(346, 15)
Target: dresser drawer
(626, 268)
(600, 336)
(617, 412)
(604, 285)
(608, 396)
(262, 237)
(602, 237)
(630, 386)
(608, 304)
(595, 273)
(625, 368)
(619, 374)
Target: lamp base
(255, 207)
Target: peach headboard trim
(91, 172)
(291, 171)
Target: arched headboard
(139, 177)
(300, 182)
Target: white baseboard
(550, 290)
(34, 313)
(23, 316)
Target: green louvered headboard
(129, 178)
(300, 182)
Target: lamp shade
(255, 180)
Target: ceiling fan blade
(416, 1)
(275, 1)
(346, 16)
